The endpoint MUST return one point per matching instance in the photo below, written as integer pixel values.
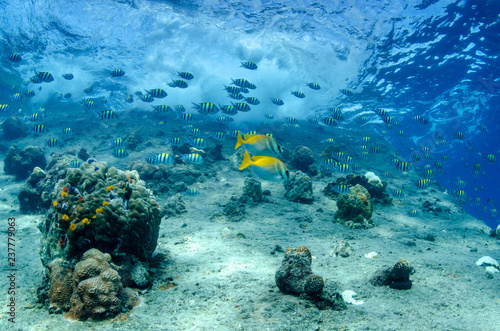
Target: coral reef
(313, 286)
(252, 192)
(295, 269)
(93, 289)
(295, 277)
(396, 277)
(13, 128)
(234, 211)
(302, 158)
(21, 162)
(99, 207)
(355, 208)
(375, 186)
(298, 188)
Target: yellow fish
(259, 144)
(265, 167)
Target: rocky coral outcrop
(13, 128)
(396, 277)
(20, 163)
(302, 158)
(298, 188)
(295, 277)
(355, 208)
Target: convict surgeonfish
(265, 167)
(258, 144)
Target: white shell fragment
(371, 255)
(347, 295)
(490, 265)
(487, 261)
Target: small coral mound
(355, 208)
(298, 188)
(396, 277)
(295, 277)
(375, 186)
(20, 163)
(13, 128)
(314, 285)
(295, 269)
(302, 158)
(252, 192)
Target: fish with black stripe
(45, 76)
(14, 57)
(206, 108)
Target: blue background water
(434, 58)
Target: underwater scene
(249, 165)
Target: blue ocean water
(437, 59)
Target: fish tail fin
(239, 141)
(247, 161)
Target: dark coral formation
(298, 188)
(20, 163)
(252, 192)
(295, 277)
(313, 286)
(100, 207)
(396, 277)
(355, 208)
(302, 158)
(375, 188)
(294, 270)
(92, 289)
(13, 128)
(234, 211)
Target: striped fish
(120, 153)
(162, 108)
(157, 93)
(45, 76)
(277, 101)
(206, 108)
(241, 106)
(14, 57)
(314, 86)
(299, 94)
(249, 65)
(117, 73)
(178, 83)
(192, 158)
(107, 115)
(185, 75)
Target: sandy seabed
(220, 274)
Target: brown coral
(96, 287)
(60, 280)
